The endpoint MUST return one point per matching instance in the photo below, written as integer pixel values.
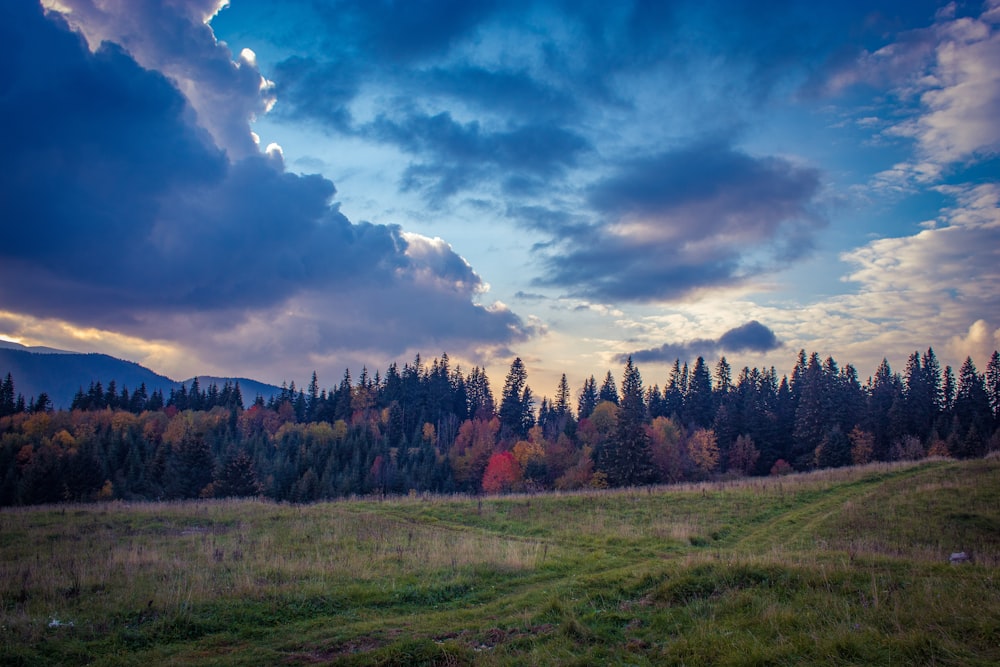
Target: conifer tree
(628, 460)
(7, 398)
(608, 392)
(673, 395)
(698, 400)
(588, 398)
(238, 478)
(515, 413)
(992, 380)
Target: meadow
(839, 567)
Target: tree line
(433, 428)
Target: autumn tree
(665, 444)
(862, 446)
(703, 451)
(501, 474)
(743, 455)
(471, 451)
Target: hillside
(61, 374)
(833, 568)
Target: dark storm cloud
(750, 337)
(455, 155)
(118, 211)
(686, 219)
(528, 103)
(514, 92)
(319, 90)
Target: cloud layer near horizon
(750, 337)
(132, 206)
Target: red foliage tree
(502, 472)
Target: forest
(430, 427)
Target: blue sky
(266, 189)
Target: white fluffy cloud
(942, 280)
(946, 83)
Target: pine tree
(992, 379)
(886, 391)
(972, 410)
(698, 401)
(812, 415)
(608, 392)
(479, 395)
(673, 395)
(588, 398)
(628, 461)
(312, 406)
(238, 478)
(516, 415)
(723, 377)
(7, 396)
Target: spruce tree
(588, 398)
(515, 413)
(698, 401)
(992, 380)
(609, 392)
(628, 461)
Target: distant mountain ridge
(60, 374)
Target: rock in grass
(959, 557)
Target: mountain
(61, 374)
(9, 345)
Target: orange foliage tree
(471, 450)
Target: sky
(260, 189)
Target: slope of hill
(60, 374)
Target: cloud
(945, 87)
(704, 215)
(121, 213)
(453, 156)
(525, 92)
(978, 343)
(750, 337)
(173, 37)
(922, 288)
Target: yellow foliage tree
(862, 446)
(525, 451)
(703, 450)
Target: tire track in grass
(794, 529)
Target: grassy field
(841, 567)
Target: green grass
(841, 567)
